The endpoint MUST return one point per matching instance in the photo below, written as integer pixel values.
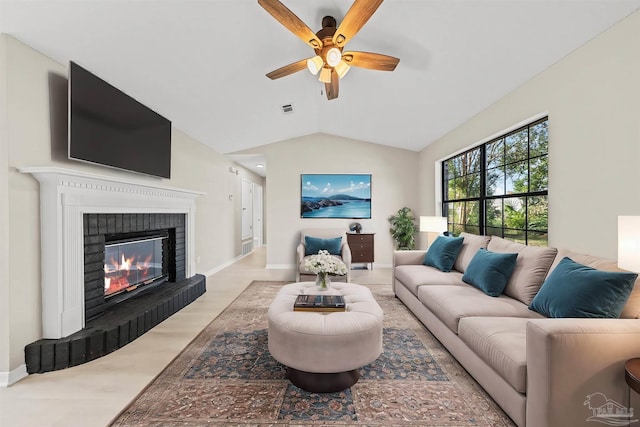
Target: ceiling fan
(328, 43)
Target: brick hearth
(116, 328)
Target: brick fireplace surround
(77, 208)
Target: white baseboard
(12, 377)
(225, 265)
(280, 266)
(382, 265)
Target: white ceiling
(202, 64)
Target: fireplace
(128, 254)
(85, 220)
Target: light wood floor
(94, 393)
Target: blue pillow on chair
(575, 290)
(443, 252)
(490, 271)
(313, 245)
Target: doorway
(258, 237)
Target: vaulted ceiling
(202, 64)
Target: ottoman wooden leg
(323, 383)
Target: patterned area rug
(226, 376)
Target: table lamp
(433, 224)
(629, 243)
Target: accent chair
(317, 236)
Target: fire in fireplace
(133, 262)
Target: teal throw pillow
(443, 252)
(575, 290)
(315, 244)
(490, 271)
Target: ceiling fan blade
(333, 87)
(372, 61)
(288, 69)
(356, 17)
(291, 22)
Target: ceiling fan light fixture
(333, 56)
(328, 44)
(342, 68)
(325, 75)
(314, 64)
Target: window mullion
(483, 193)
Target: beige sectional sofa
(540, 370)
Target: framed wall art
(335, 196)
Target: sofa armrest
(345, 253)
(413, 257)
(300, 253)
(570, 359)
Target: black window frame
(483, 199)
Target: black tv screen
(109, 127)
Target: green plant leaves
(403, 229)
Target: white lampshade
(629, 243)
(342, 68)
(433, 224)
(333, 56)
(325, 75)
(314, 64)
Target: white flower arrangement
(325, 263)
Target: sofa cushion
(532, 266)
(502, 343)
(575, 290)
(313, 245)
(443, 252)
(632, 307)
(414, 276)
(470, 245)
(490, 271)
(452, 303)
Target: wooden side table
(632, 374)
(361, 245)
(632, 377)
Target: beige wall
(393, 185)
(217, 220)
(37, 120)
(592, 98)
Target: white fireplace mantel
(65, 196)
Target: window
(500, 188)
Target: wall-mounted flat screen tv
(109, 127)
(335, 196)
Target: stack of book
(326, 303)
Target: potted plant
(403, 229)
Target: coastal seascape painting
(335, 196)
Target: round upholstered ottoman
(324, 351)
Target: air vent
(287, 108)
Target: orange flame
(117, 273)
